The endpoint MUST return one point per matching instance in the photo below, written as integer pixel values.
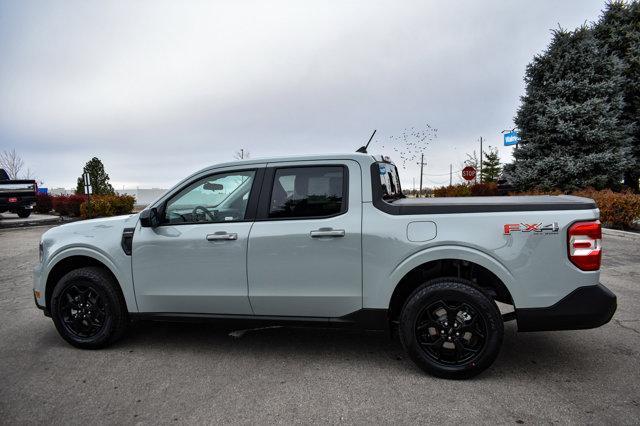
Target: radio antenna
(363, 149)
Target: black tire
(88, 308)
(427, 334)
(24, 213)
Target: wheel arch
(68, 261)
(486, 273)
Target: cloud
(159, 89)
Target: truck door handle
(327, 232)
(222, 236)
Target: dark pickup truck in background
(17, 196)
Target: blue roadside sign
(511, 138)
(43, 191)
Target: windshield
(390, 181)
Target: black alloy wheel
(88, 308)
(82, 310)
(451, 332)
(450, 328)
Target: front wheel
(88, 309)
(451, 329)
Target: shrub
(67, 205)
(538, 191)
(464, 190)
(460, 190)
(484, 189)
(107, 205)
(617, 209)
(44, 203)
(123, 204)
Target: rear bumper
(22, 203)
(585, 307)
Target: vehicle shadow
(537, 355)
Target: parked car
(331, 241)
(17, 196)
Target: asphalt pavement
(186, 373)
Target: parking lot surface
(186, 373)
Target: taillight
(585, 245)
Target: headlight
(41, 251)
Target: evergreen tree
(570, 121)
(618, 32)
(99, 178)
(490, 166)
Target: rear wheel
(24, 213)
(451, 329)
(88, 309)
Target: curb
(32, 223)
(619, 233)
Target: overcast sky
(158, 90)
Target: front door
(195, 261)
(305, 247)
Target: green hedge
(107, 205)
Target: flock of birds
(411, 143)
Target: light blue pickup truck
(331, 241)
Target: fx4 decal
(551, 228)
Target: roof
(365, 159)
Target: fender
(454, 252)
(124, 280)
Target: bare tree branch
(29, 174)
(11, 162)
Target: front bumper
(39, 289)
(585, 307)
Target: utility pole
(450, 174)
(242, 153)
(480, 159)
(421, 172)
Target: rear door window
(300, 192)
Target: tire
(468, 346)
(24, 213)
(88, 308)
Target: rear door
(304, 256)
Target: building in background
(61, 191)
(144, 196)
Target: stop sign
(469, 173)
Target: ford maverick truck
(331, 241)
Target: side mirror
(150, 218)
(209, 186)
